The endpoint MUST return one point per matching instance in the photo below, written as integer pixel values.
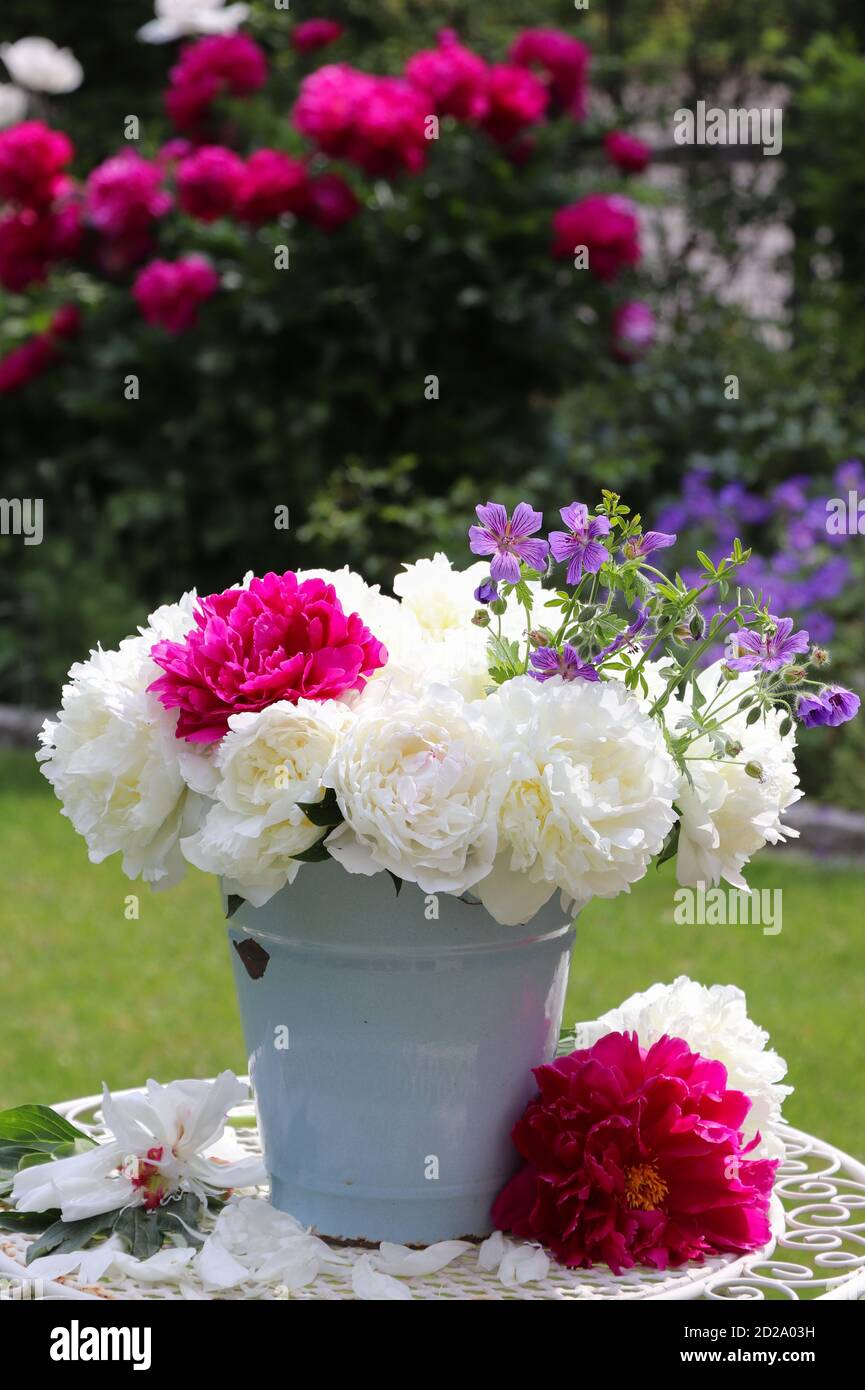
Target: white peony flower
(177, 18)
(40, 66)
(726, 815)
(267, 763)
(440, 598)
(412, 778)
(387, 619)
(159, 1146)
(113, 760)
(584, 787)
(714, 1022)
(13, 104)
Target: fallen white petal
(399, 1259)
(371, 1286)
(165, 1266)
(523, 1264)
(217, 1267)
(493, 1251)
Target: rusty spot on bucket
(254, 958)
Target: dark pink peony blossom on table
(636, 1157)
(377, 123)
(280, 639)
(564, 60)
(216, 66)
(169, 293)
(32, 160)
(124, 195)
(331, 203)
(272, 183)
(516, 99)
(313, 34)
(209, 181)
(606, 225)
(452, 77)
(627, 152)
(634, 330)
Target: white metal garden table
(820, 1254)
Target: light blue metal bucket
(390, 1051)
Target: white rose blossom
(266, 763)
(39, 65)
(714, 1022)
(412, 779)
(584, 788)
(112, 757)
(13, 104)
(175, 19)
(726, 814)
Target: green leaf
(670, 846)
(36, 1125)
(325, 812)
(179, 1221)
(27, 1222)
(140, 1229)
(233, 902)
(65, 1236)
(397, 882)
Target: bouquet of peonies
(539, 722)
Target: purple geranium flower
(508, 541)
(771, 650)
(548, 663)
(578, 545)
(638, 546)
(487, 592)
(831, 706)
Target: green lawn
(87, 995)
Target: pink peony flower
(30, 360)
(452, 76)
(280, 639)
(627, 152)
(32, 241)
(272, 183)
(313, 34)
(32, 160)
(634, 330)
(606, 225)
(124, 195)
(209, 182)
(565, 62)
(219, 65)
(331, 203)
(376, 122)
(173, 151)
(515, 99)
(636, 1157)
(169, 293)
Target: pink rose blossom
(215, 66)
(377, 123)
(32, 241)
(313, 34)
(272, 183)
(280, 639)
(32, 160)
(627, 152)
(209, 182)
(606, 225)
(331, 203)
(124, 195)
(23, 364)
(636, 1157)
(452, 77)
(564, 60)
(515, 99)
(634, 330)
(169, 293)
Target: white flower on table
(177, 18)
(163, 1144)
(40, 66)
